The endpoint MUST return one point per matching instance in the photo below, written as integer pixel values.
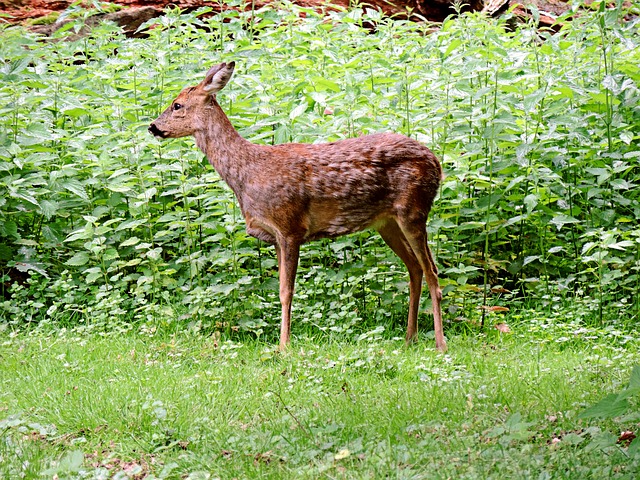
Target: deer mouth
(156, 132)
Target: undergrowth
(164, 404)
(137, 318)
(537, 131)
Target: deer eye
(177, 106)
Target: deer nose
(155, 131)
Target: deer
(293, 193)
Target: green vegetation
(137, 318)
(45, 20)
(537, 132)
(185, 404)
(76, 11)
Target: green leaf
(110, 254)
(602, 441)
(322, 83)
(75, 187)
(6, 252)
(9, 229)
(634, 384)
(29, 266)
(531, 201)
(25, 196)
(130, 241)
(75, 112)
(532, 100)
(93, 276)
(634, 447)
(609, 407)
(48, 208)
(561, 219)
(79, 259)
(131, 224)
(572, 439)
(623, 245)
(453, 45)
(299, 110)
(71, 462)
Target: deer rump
(332, 189)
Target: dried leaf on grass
(500, 290)
(494, 308)
(626, 437)
(344, 453)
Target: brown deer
(292, 193)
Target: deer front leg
(288, 253)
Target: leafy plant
(537, 131)
(617, 405)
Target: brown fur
(292, 193)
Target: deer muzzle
(156, 132)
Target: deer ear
(217, 77)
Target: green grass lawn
(192, 406)
(138, 249)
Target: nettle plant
(537, 131)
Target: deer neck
(227, 151)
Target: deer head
(186, 114)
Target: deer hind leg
(288, 253)
(416, 234)
(393, 236)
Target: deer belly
(260, 230)
(333, 220)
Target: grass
(536, 130)
(135, 253)
(193, 406)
